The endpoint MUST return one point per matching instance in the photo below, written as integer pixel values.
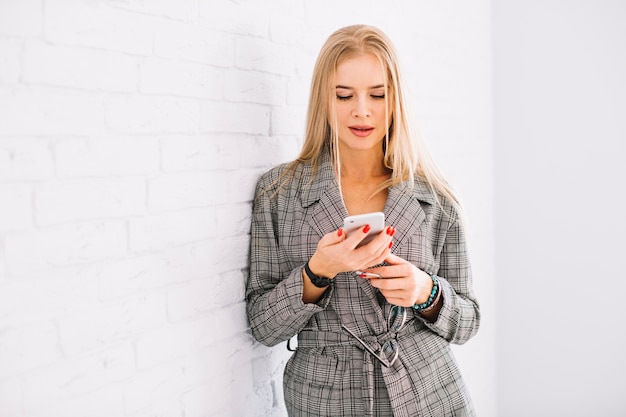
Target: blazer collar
(403, 209)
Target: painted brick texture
(131, 136)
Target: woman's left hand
(402, 283)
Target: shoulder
(284, 178)
(442, 204)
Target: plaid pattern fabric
(331, 374)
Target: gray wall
(560, 134)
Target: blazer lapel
(404, 211)
(322, 192)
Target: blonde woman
(374, 321)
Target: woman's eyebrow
(351, 88)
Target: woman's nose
(361, 108)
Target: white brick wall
(131, 136)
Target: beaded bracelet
(433, 294)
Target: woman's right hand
(338, 253)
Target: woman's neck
(363, 166)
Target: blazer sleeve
(274, 291)
(459, 318)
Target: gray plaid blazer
(331, 374)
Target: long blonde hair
(406, 155)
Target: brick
(27, 347)
(288, 121)
(172, 229)
(263, 55)
(185, 79)
(230, 320)
(22, 160)
(251, 18)
(21, 17)
(136, 275)
(298, 91)
(239, 219)
(49, 111)
(265, 152)
(79, 68)
(193, 261)
(233, 254)
(221, 117)
(242, 184)
(95, 24)
(71, 378)
(189, 299)
(154, 114)
(187, 190)
(255, 87)
(102, 325)
(63, 202)
(63, 246)
(182, 10)
(214, 395)
(47, 295)
(163, 406)
(198, 296)
(148, 386)
(194, 43)
(230, 380)
(200, 153)
(290, 30)
(10, 61)
(230, 288)
(104, 402)
(171, 342)
(106, 156)
(16, 209)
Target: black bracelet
(319, 282)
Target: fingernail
(393, 231)
(340, 232)
(367, 228)
(390, 245)
(390, 231)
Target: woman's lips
(361, 131)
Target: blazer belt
(310, 338)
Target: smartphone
(375, 220)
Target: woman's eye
(378, 96)
(344, 97)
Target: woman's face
(359, 104)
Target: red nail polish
(367, 228)
(393, 231)
(390, 245)
(340, 232)
(389, 231)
